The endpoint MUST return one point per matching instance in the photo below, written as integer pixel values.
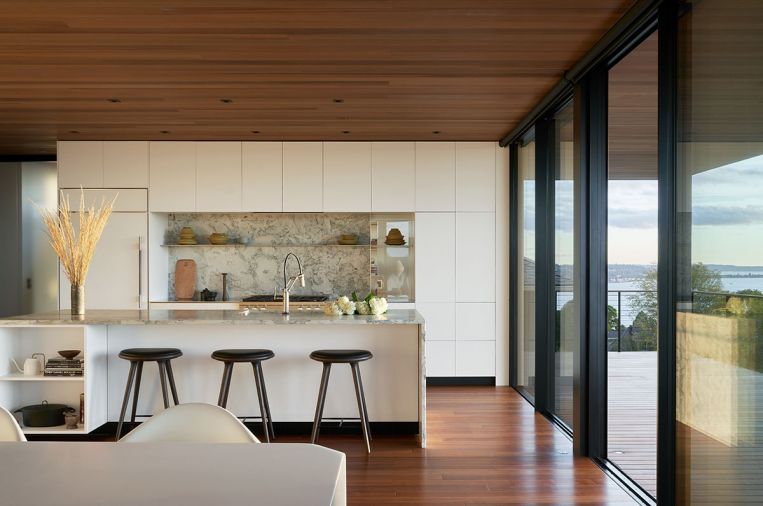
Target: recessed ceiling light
(114, 100)
(73, 131)
(435, 132)
(338, 100)
(255, 131)
(164, 131)
(226, 100)
(345, 131)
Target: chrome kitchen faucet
(288, 284)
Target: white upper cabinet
(435, 257)
(172, 181)
(347, 176)
(125, 164)
(303, 176)
(435, 176)
(80, 163)
(262, 176)
(218, 176)
(475, 257)
(475, 176)
(394, 176)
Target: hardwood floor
(486, 446)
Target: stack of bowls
(395, 238)
(218, 239)
(187, 237)
(348, 239)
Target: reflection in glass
(632, 265)
(719, 316)
(526, 267)
(564, 250)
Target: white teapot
(32, 366)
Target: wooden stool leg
(361, 406)
(163, 381)
(321, 401)
(171, 377)
(130, 377)
(265, 396)
(263, 414)
(135, 394)
(222, 400)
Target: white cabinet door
(262, 176)
(393, 176)
(435, 257)
(172, 181)
(435, 176)
(441, 359)
(475, 257)
(346, 176)
(218, 177)
(118, 276)
(80, 164)
(302, 177)
(440, 318)
(475, 176)
(475, 358)
(125, 164)
(475, 321)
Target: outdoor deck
(632, 421)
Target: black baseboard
(108, 430)
(461, 381)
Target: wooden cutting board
(185, 279)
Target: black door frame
(588, 79)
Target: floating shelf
(21, 377)
(267, 245)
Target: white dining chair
(192, 423)
(9, 427)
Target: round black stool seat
(341, 356)
(242, 355)
(150, 354)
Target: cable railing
(632, 314)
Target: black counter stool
(137, 356)
(255, 357)
(352, 357)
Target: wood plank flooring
(486, 446)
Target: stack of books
(61, 366)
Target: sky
(727, 217)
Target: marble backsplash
(257, 267)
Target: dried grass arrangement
(75, 246)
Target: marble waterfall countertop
(211, 317)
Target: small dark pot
(44, 415)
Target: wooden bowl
(69, 354)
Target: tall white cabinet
(456, 256)
(303, 177)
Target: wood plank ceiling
(285, 70)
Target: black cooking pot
(44, 415)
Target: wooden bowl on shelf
(218, 239)
(68, 354)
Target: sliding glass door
(565, 327)
(525, 268)
(632, 316)
(719, 239)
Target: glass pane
(719, 316)
(632, 265)
(564, 251)
(526, 267)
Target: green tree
(703, 280)
(611, 318)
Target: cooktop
(293, 298)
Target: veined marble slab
(211, 317)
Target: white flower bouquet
(371, 305)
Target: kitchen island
(394, 379)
